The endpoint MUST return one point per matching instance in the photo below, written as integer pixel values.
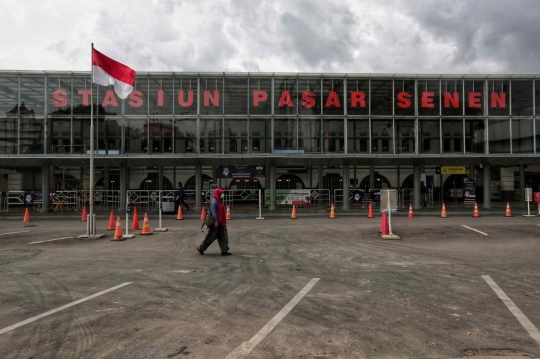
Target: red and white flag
(110, 72)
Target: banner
(299, 197)
(536, 197)
(240, 171)
(33, 197)
(455, 170)
(469, 190)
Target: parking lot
(305, 288)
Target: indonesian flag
(110, 72)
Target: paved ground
(421, 297)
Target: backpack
(208, 219)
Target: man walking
(179, 198)
(219, 229)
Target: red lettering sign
(332, 100)
(160, 98)
(136, 99)
(308, 100)
(427, 99)
(451, 100)
(211, 98)
(259, 96)
(404, 100)
(358, 98)
(285, 99)
(498, 100)
(60, 98)
(85, 96)
(181, 101)
(109, 99)
(475, 100)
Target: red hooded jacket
(222, 218)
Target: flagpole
(91, 196)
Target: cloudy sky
(362, 36)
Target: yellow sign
(455, 170)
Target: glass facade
(189, 114)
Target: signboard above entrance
(240, 171)
(455, 170)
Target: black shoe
(199, 250)
(226, 253)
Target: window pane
(382, 136)
(8, 135)
(32, 95)
(260, 135)
(285, 135)
(136, 135)
(185, 135)
(236, 96)
(236, 135)
(404, 97)
(522, 98)
(474, 136)
(381, 97)
(59, 96)
(81, 132)
(259, 96)
(357, 97)
(309, 96)
(185, 96)
(211, 135)
(59, 134)
(499, 136)
(285, 96)
(334, 135)
(499, 100)
(522, 136)
(429, 101)
(429, 132)
(452, 134)
(160, 133)
(452, 97)
(309, 135)
(405, 136)
(136, 103)
(333, 101)
(211, 96)
(161, 103)
(358, 132)
(112, 135)
(81, 96)
(474, 98)
(8, 94)
(31, 135)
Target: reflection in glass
(186, 96)
(405, 136)
(235, 96)
(211, 96)
(333, 97)
(429, 132)
(474, 98)
(358, 132)
(404, 106)
(160, 131)
(59, 140)
(452, 90)
(381, 97)
(236, 135)
(8, 135)
(522, 98)
(309, 96)
(285, 96)
(211, 135)
(162, 96)
(499, 98)
(334, 135)
(9, 88)
(31, 135)
(59, 95)
(185, 135)
(475, 136)
(260, 96)
(285, 135)
(33, 94)
(260, 135)
(499, 136)
(429, 96)
(382, 136)
(309, 135)
(136, 135)
(522, 136)
(452, 134)
(357, 96)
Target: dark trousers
(219, 233)
(177, 204)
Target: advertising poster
(299, 197)
(240, 171)
(469, 190)
(33, 197)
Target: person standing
(219, 229)
(179, 198)
(423, 192)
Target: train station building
(334, 137)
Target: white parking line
(525, 322)
(14, 326)
(246, 347)
(4, 234)
(476, 230)
(50, 240)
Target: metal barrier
(354, 202)
(3, 202)
(104, 200)
(148, 200)
(317, 198)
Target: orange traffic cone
(118, 235)
(443, 212)
(476, 213)
(508, 212)
(146, 226)
(112, 227)
(332, 213)
(370, 212)
(385, 229)
(293, 214)
(179, 216)
(411, 213)
(84, 214)
(26, 216)
(228, 216)
(203, 213)
(135, 225)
